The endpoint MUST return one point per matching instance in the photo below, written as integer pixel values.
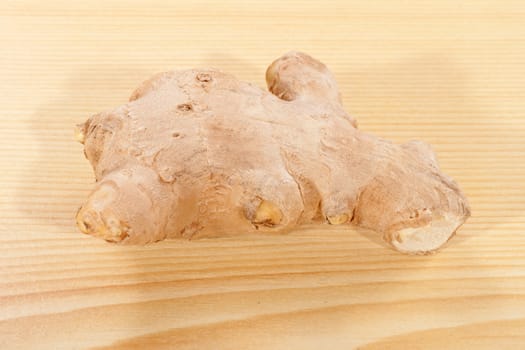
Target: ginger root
(198, 153)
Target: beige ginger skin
(197, 153)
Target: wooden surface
(448, 72)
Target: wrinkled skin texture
(198, 153)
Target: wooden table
(448, 72)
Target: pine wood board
(447, 72)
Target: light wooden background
(448, 72)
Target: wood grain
(448, 72)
